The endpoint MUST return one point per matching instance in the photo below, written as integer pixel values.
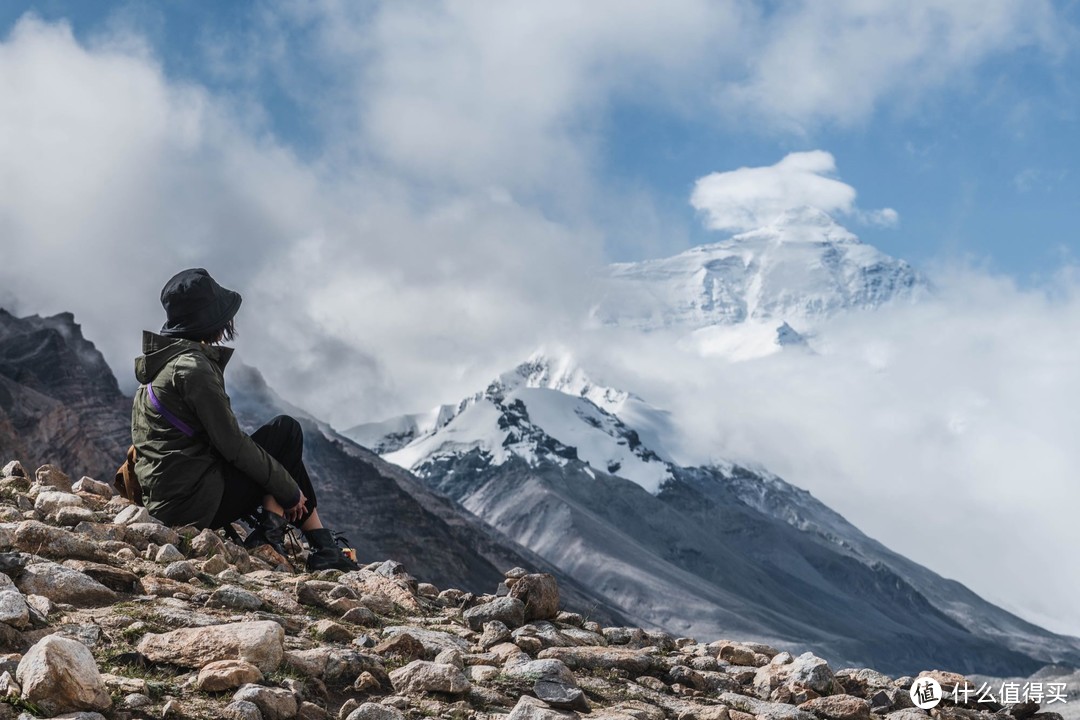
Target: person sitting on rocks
(194, 463)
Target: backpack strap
(173, 420)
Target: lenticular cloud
(749, 198)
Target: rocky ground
(105, 613)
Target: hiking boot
(325, 553)
(269, 530)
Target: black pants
(283, 439)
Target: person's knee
(289, 425)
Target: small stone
(653, 683)
(529, 644)
(261, 643)
(41, 604)
(134, 701)
(508, 610)
(601, 658)
(949, 681)
(561, 695)
(53, 477)
(422, 676)
(123, 684)
(361, 616)
(378, 603)
(372, 711)
(804, 672)
(180, 570)
(331, 631)
(168, 553)
(540, 594)
(132, 514)
(745, 654)
(93, 487)
(366, 683)
(495, 632)
(173, 710)
(838, 707)
(427, 590)
(13, 608)
(530, 708)
(8, 686)
(64, 585)
(71, 516)
(214, 565)
(47, 503)
(37, 538)
(347, 708)
(450, 597)
(481, 673)
(402, 645)
(343, 605)
(207, 544)
(227, 675)
(242, 710)
(13, 469)
(236, 598)
(311, 711)
(141, 534)
(61, 675)
(451, 656)
(163, 587)
(273, 703)
(396, 701)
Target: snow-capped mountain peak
(547, 409)
(800, 268)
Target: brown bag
(126, 481)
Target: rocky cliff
(59, 401)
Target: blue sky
(412, 197)
(980, 162)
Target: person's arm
(204, 391)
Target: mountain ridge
(495, 458)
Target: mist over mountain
(589, 475)
(712, 551)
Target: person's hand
(297, 511)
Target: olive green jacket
(182, 477)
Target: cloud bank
(943, 429)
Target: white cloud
(944, 429)
(750, 198)
(510, 94)
(837, 62)
(359, 297)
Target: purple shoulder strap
(173, 420)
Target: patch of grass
(25, 705)
(283, 673)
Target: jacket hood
(159, 350)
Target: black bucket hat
(196, 306)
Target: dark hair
(227, 333)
